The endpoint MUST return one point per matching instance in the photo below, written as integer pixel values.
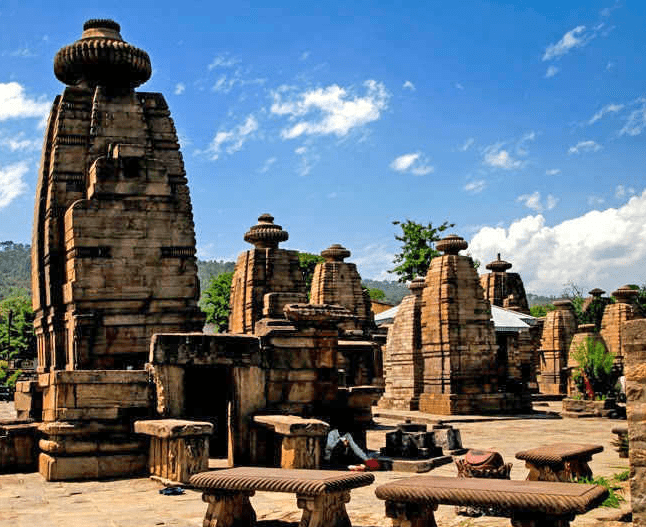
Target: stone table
(559, 462)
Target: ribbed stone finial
(101, 57)
(452, 244)
(498, 265)
(563, 304)
(335, 253)
(596, 292)
(417, 285)
(625, 294)
(266, 234)
(586, 328)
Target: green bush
(594, 377)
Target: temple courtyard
(29, 500)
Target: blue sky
(523, 124)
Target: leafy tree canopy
(376, 294)
(594, 376)
(17, 328)
(215, 301)
(539, 311)
(307, 263)
(418, 248)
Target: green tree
(376, 294)
(418, 248)
(307, 263)
(539, 311)
(594, 376)
(215, 301)
(16, 328)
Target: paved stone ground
(26, 500)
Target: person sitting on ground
(341, 451)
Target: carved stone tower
(558, 330)
(113, 246)
(504, 289)
(265, 269)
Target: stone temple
(113, 248)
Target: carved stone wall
(634, 333)
(558, 330)
(113, 247)
(403, 365)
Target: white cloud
(475, 187)
(11, 182)
(408, 85)
(636, 121)
(232, 141)
(225, 83)
(621, 191)
(307, 161)
(467, 144)
(334, 110)
(553, 172)
(300, 150)
(608, 108)
(415, 163)
(305, 55)
(497, 157)
(267, 165)
(584, 146)
(551, 71)
(595, 201)
(373, 260)
(14, 104)
(180, 87)
(459, 86)
(223, 61)
(575, 38)
(19, 143)
(604, 248)
(533, 201)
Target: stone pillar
(403, 366)
(558, 330)
(634, 333)
(613, 319)
(458, 341)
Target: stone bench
(178, 449)
(322, 494)
(559, 462)
(411, 502)
(299, 442)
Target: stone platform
(28, 500)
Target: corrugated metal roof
(503, 319)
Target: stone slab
(293, 425)
(172, 428)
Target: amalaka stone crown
(596, 292)
(452, 244)
(625, 294)
(498, 265)
(335, 253)
(102, 57)
(266, 234)
(416, 285)
(563, 304)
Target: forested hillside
(15, 269)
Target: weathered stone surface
(558, 330)
(90, 467)
(113, 248)
(172, 428)
(293, 425)
(18, 450)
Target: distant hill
(15, 269)
(394, 291)
(207, 269)
(540, 300)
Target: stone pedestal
(293, 442)
(178, 449)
